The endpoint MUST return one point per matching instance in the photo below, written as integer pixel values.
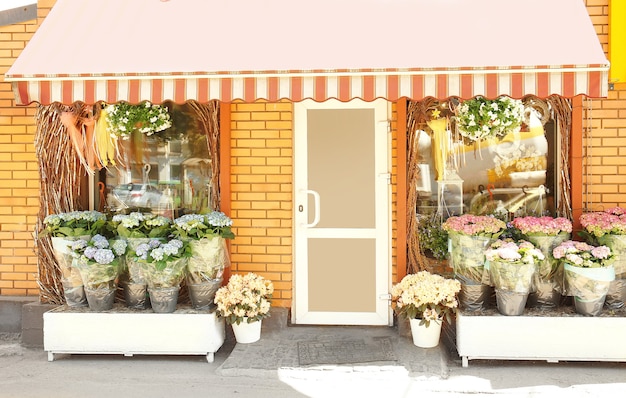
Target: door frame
(383, 228)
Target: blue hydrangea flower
(119, 247)
(104, 256)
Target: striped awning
(120, 50)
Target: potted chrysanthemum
(608, 228)
(206, 235)
(588, 274)
(99, 261)
(243, 303)
(512, 266)
(138, 228)
(164, 264)
(425, 299)
(545, 233)
(469, 236)
(64, 229)
(479, 119)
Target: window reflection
(167, 173)
(514, 176)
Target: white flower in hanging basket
(479, 119)
(147, 118)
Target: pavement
(270, 368)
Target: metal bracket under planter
(549, 338)
(128, 332)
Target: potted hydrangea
(545, 233)
(425, 299)
(64, 229)
(243, 303)
(164, 264)
(479, 119)
(608, 228)
(99, 261)
(512, 266)
(469, 236)
(588, 273)
(138, 228)
(206, 235)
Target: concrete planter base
(129, 332)
(549, 338)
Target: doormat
(345, 351)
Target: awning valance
(120, 50)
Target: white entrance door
(342, 213)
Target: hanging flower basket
(479, 119)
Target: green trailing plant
(432, 237)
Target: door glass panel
(342, 275)
(340, 169)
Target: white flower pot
(425, 336)
(247, 332)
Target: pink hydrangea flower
(582, 254)
(470, 224)
(601, 223)
(542, 225)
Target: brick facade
(261, 172)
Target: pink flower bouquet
(542, 225)
(545, 233)
(588, 273)
(600, 223)
(512, 264)
(469, 236)
(581, 254)
(469, 224)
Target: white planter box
(549, 338)
(129, 332)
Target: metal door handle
(316, 206)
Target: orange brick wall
(605, 133)
(19, 176)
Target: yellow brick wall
(605, 135)
(261, 184)
(19, 176)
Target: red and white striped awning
(120, 50)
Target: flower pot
(549, 270)
(100, 299)
(547, 296)
(467, 257)
(475, 297)
(425, 336)
(74, 295)
(616, 296)
(589, 307)
(71, 280)
(209, 257)
(163, 299)
(203, 294)
(247, 332)
(133, 271)
(588, 283)
(510, 303)
(135, 295)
